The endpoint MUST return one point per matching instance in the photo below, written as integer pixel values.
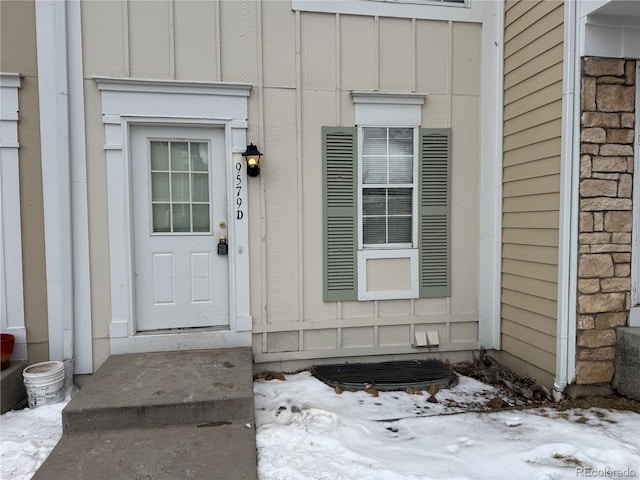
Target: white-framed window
(386, 202)
(387, 184)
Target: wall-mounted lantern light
(252, 156)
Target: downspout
(53, 90)
(567, 251)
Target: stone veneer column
(606, 176)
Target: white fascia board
(140, 85)
(395, 109)
(380, 97)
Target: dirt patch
(613, 402)
(523, 391)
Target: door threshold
(174, 331)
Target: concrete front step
(627, 379)
(165, 388)
(223, 451)
(12, 386)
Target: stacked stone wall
(606, 213)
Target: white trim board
(490, 208)
(11, 286)
(470, 12)
(61, 103)
(127, 102)
(634, 314)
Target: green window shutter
(434, 206)
(339, 198)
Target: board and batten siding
(302, 67)
(533, 61)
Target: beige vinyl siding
(533, 53)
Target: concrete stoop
(627, 378)
(12, 386)
(164, 415)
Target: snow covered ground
(305, 431)
(27, 436)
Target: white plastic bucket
(44, 383)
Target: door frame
(130, 102)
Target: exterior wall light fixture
(252, 157)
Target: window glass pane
(200, 218)
(374, 230)
(161, 219)
(159, 155)
(181, 218)
(199, 157)
(180, 156)
(180, 187)
(401, 170)
(160, 187)
(200, 186)
(400, 229)
(374, 201)
(399, 201)
(374, 170)
(400, 141)
(375, 141)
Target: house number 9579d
(239, 212)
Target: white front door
(179, 214)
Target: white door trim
(11, 287)
(634, 314)
(127, 102)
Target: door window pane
(180, 156)
(200, 187)
(159, 155)
(181, 218)
(200, 218)
(180, 184)
(180, 187)
(160, 187)
(161, 218)
(199, 157)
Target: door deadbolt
(222, 245)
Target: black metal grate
(385, 375)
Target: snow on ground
(27, 436)
(306, 431)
